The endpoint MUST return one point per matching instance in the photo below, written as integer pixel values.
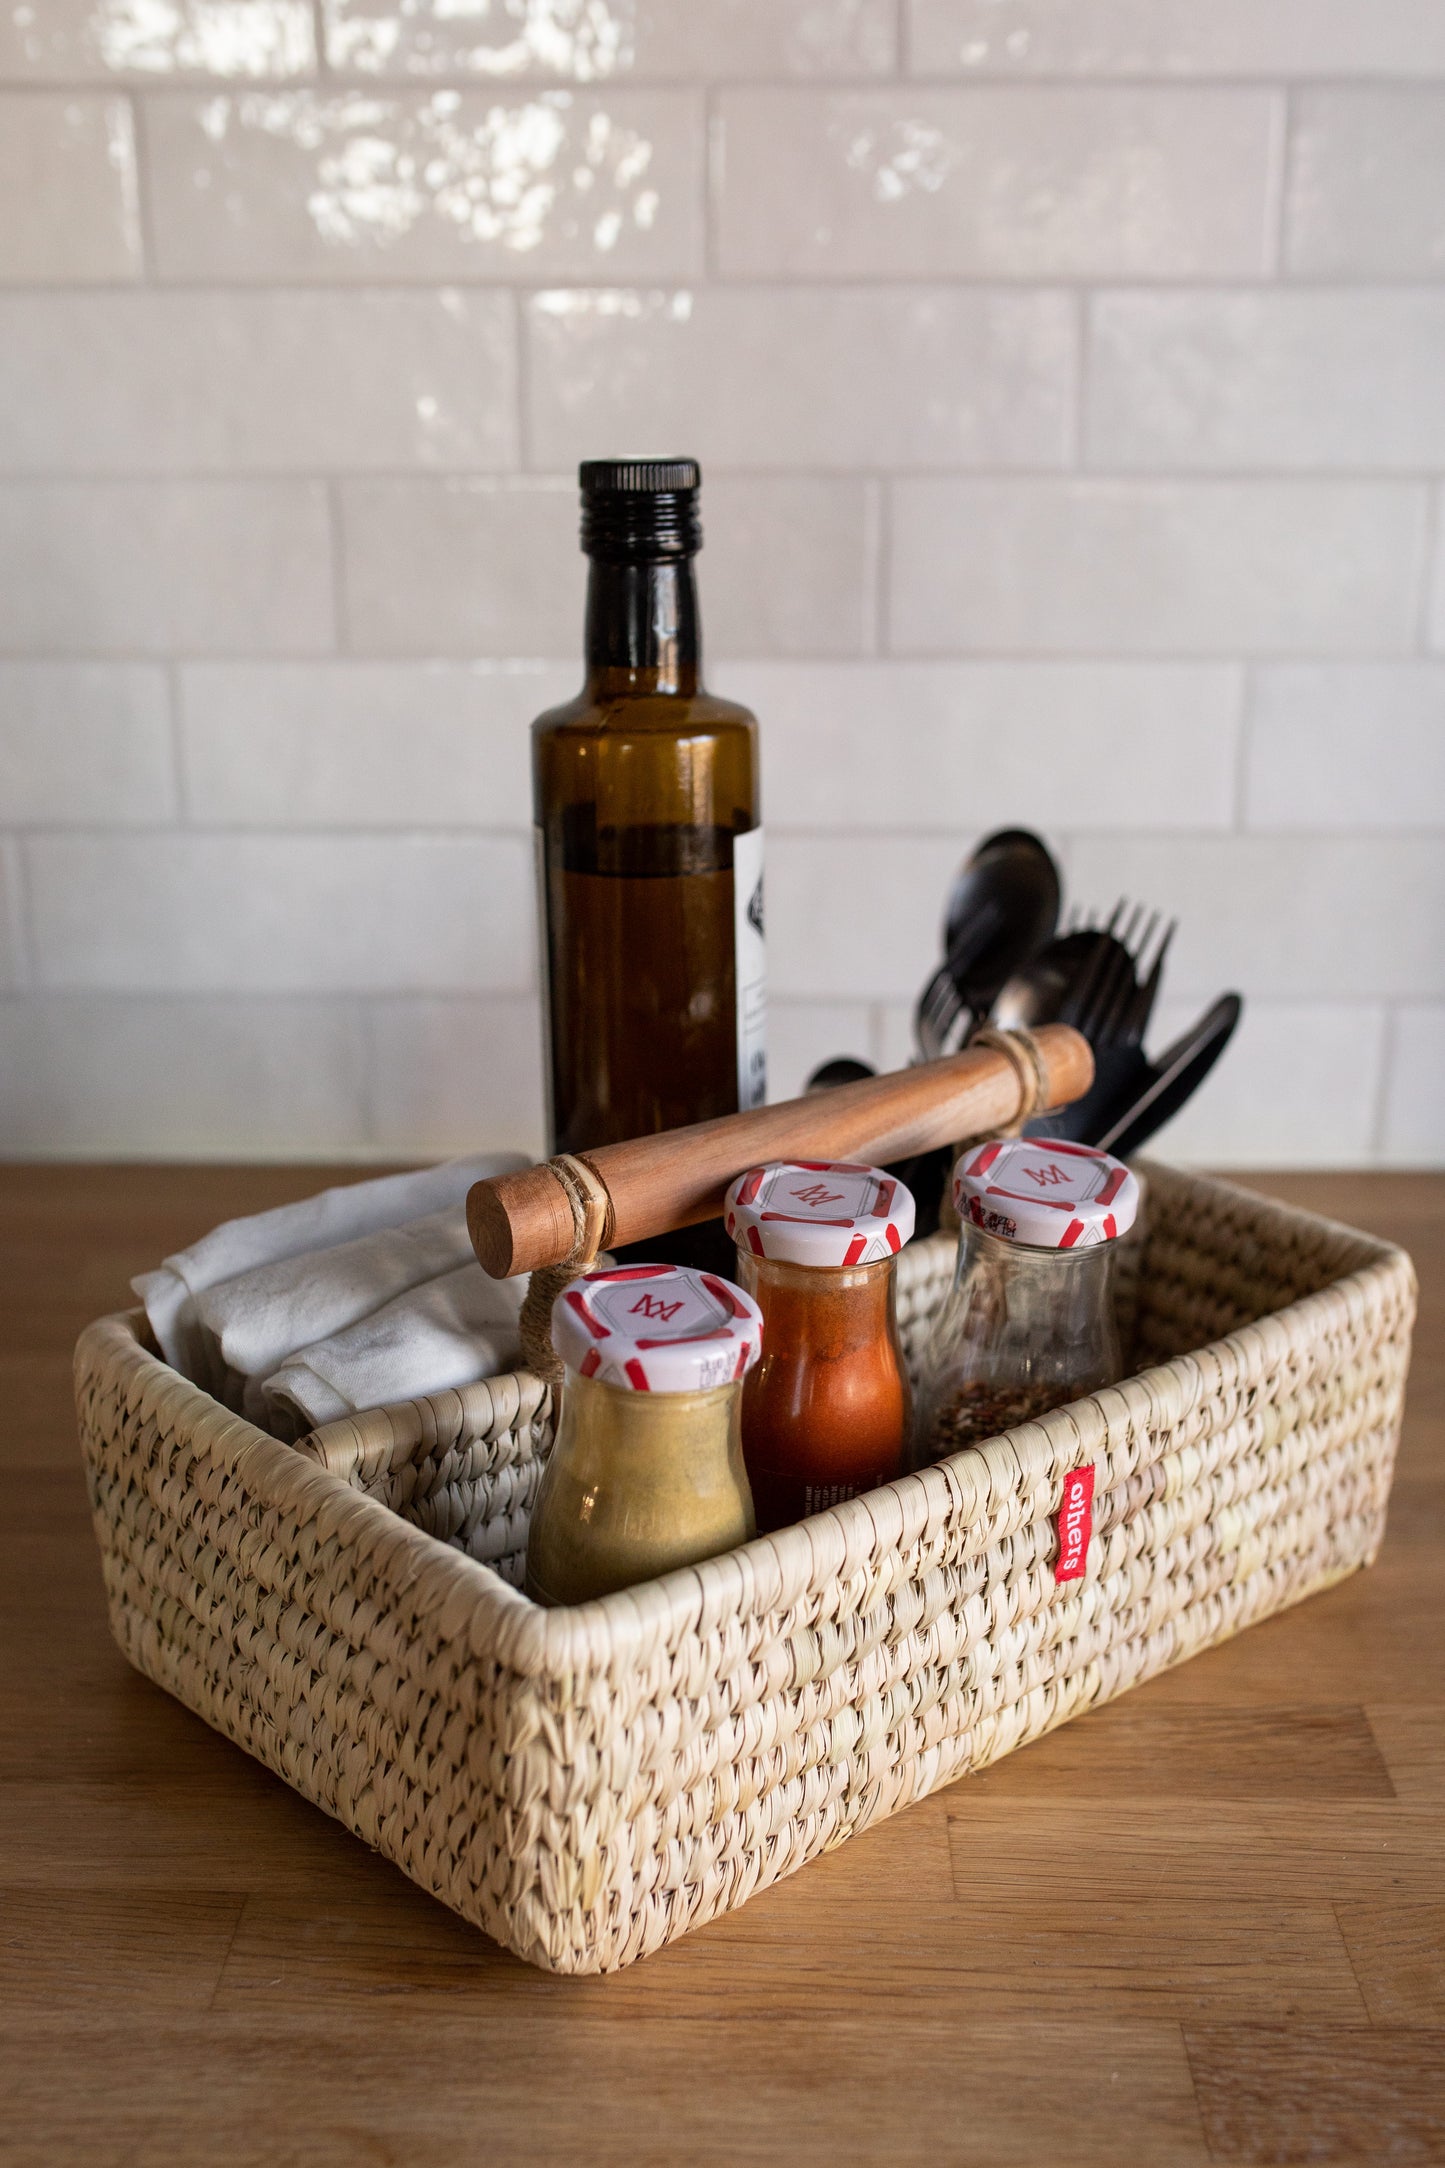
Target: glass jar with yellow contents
(647, 1470)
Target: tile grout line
(1084, 313)
(872, 566)
(1244, 744)
(364, 1025)
(1277, 188)
(851, 831)
(967, 84)
(338, 1001)
(1034, 477)
(714, 161)
(145, 208)
(18, 896)
(1432, 574)
(883, 597)
(498, 662)
(180, 772)
(523, 352)
(882, 282)
(1389, 1050)
(336, 544)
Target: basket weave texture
(589, 1783)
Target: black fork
(1110, 1001)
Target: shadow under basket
(586, 1784)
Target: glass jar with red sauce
(827, 1410)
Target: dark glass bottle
(645, 791)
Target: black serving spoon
(1002, 908)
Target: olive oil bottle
(649, 843)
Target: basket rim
(772, 1571)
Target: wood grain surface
(1205, 1923)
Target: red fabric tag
(1075, 1523)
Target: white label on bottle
(750, 955)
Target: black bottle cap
(638, 477)
(636, 509)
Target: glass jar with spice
(826, 1413)
(1029, 1323)
(646, 1473)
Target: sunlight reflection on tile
(583, 40)
(209, 37)
(233, 39)
(1009, 182)
(900, 159)
(594, 41)
(555, 177)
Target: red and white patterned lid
(657, 1328)
(819, 1212)
(1051, 1195)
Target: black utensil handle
(1180, 1073)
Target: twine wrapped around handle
(591, 1218)
(1018, 1045)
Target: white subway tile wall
(146, 382)
(1068, 382)
(443, 1072)
(1009, 182)
(86, 742)
(1156, 567)
(335, 184)
(852, 377)
(1366, 185)
(12, 959)
(76, 41)
(185, 1077)
(1304, 382)
(1257, 39)
(165, 568)
(581, 41)
(69, 187)
(189, 912)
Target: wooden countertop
(1206, 1923)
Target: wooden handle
(522, 1221)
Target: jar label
(751, 966)
(1076, 1523)
(817, 1497)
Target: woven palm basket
(588, 1784)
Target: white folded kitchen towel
(447, 1332)
(334, 1217)
(252, 1323)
